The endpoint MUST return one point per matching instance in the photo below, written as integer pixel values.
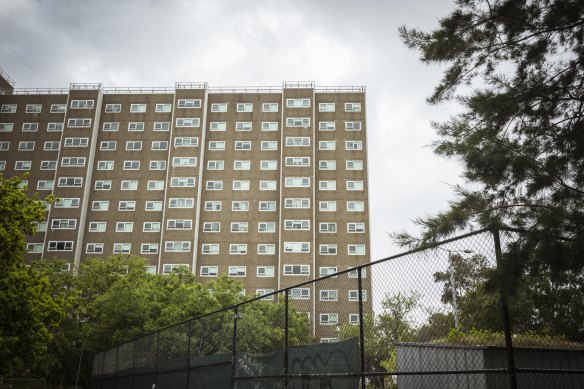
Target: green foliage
(518, 69)
(485, 337)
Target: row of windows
(289, 247)
(36, 108)
(290, 103)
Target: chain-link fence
(428, 318)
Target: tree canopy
(517, 69)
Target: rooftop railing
(7, 77)
(38, 91)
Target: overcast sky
(258, 42)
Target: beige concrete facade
(268, 185)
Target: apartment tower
(264, 184)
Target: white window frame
(297, 269)
(265, 271)
(326, 107)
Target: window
(327, 227)
(149, 248)
(155, 185)
(214, 185)
(240, 206)
(267, 206)
(212, 206)
(239, 227)
(297, 224)
(356, 228)
(241, 165)
(134, 145)
(269, 145)
(297, 203)
(22, 165)
(244, 107)
(297, 161)
(354, 185)
(243, 126)
(218, 126)
(298, 122)
(58, 108)
(181, 202)
(163, 107)
(354, 164)
(103, 185)
(353, 145)
(328, 249)
(151, 227)
(8, 108)
(2, 165)
(217, 145)
(297, 103)
(352, 107)
(23, 184)
(270, 107)
(129, 205)
(161, 126)
(326, 126)
(136, 126)
(79, 123)
(265, 271)
(209, 271)
(100, 205)
(327, 206)
(329, 295)
(184, 161)
(268, 227)
(24, 146)
(169, 267)
(210, 248)
(55, 127)
(269, 126)
(296, 247)
(188, 122)
(159, 145)
(34, 248)
(327, 185)
(63, 224)
(105, 165)
(45, 184)
(211, 227)
(82, 104)
(269, 165)
(179, 224)
(107, 145)
(353, 126)
(94, 248)
(113, 108)
(300, 293)
(215, 165)
(70, 182)
(6, 127)
(110, 126)
(76, 142)
(186, 141)
(297, 141)
(326, 107)
(138, 108)
(236, 271)
(242, 145)
(67, 202)
(97, 226)
(266, 249)
(329, 319)
(189, 103)
(354, 295)
(240, 184)
(355, 206)
(122, 248)
(129, 185)
(30, 127)
(269, 185)
(157, 165)
(263, 292)
(296, 270)
(60, 245)
(177, 246)
(327, 145)
(182, 182)
(73, 161)
(327, 271)
(219, 107)
(297, 182)
(353, 318)
(327, 165)
(153, 206)
(131, 165)
(356, 249)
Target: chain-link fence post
(234, 346)
(361, 323)
(286, 292)
(505, 316)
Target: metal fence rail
(424, 318)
